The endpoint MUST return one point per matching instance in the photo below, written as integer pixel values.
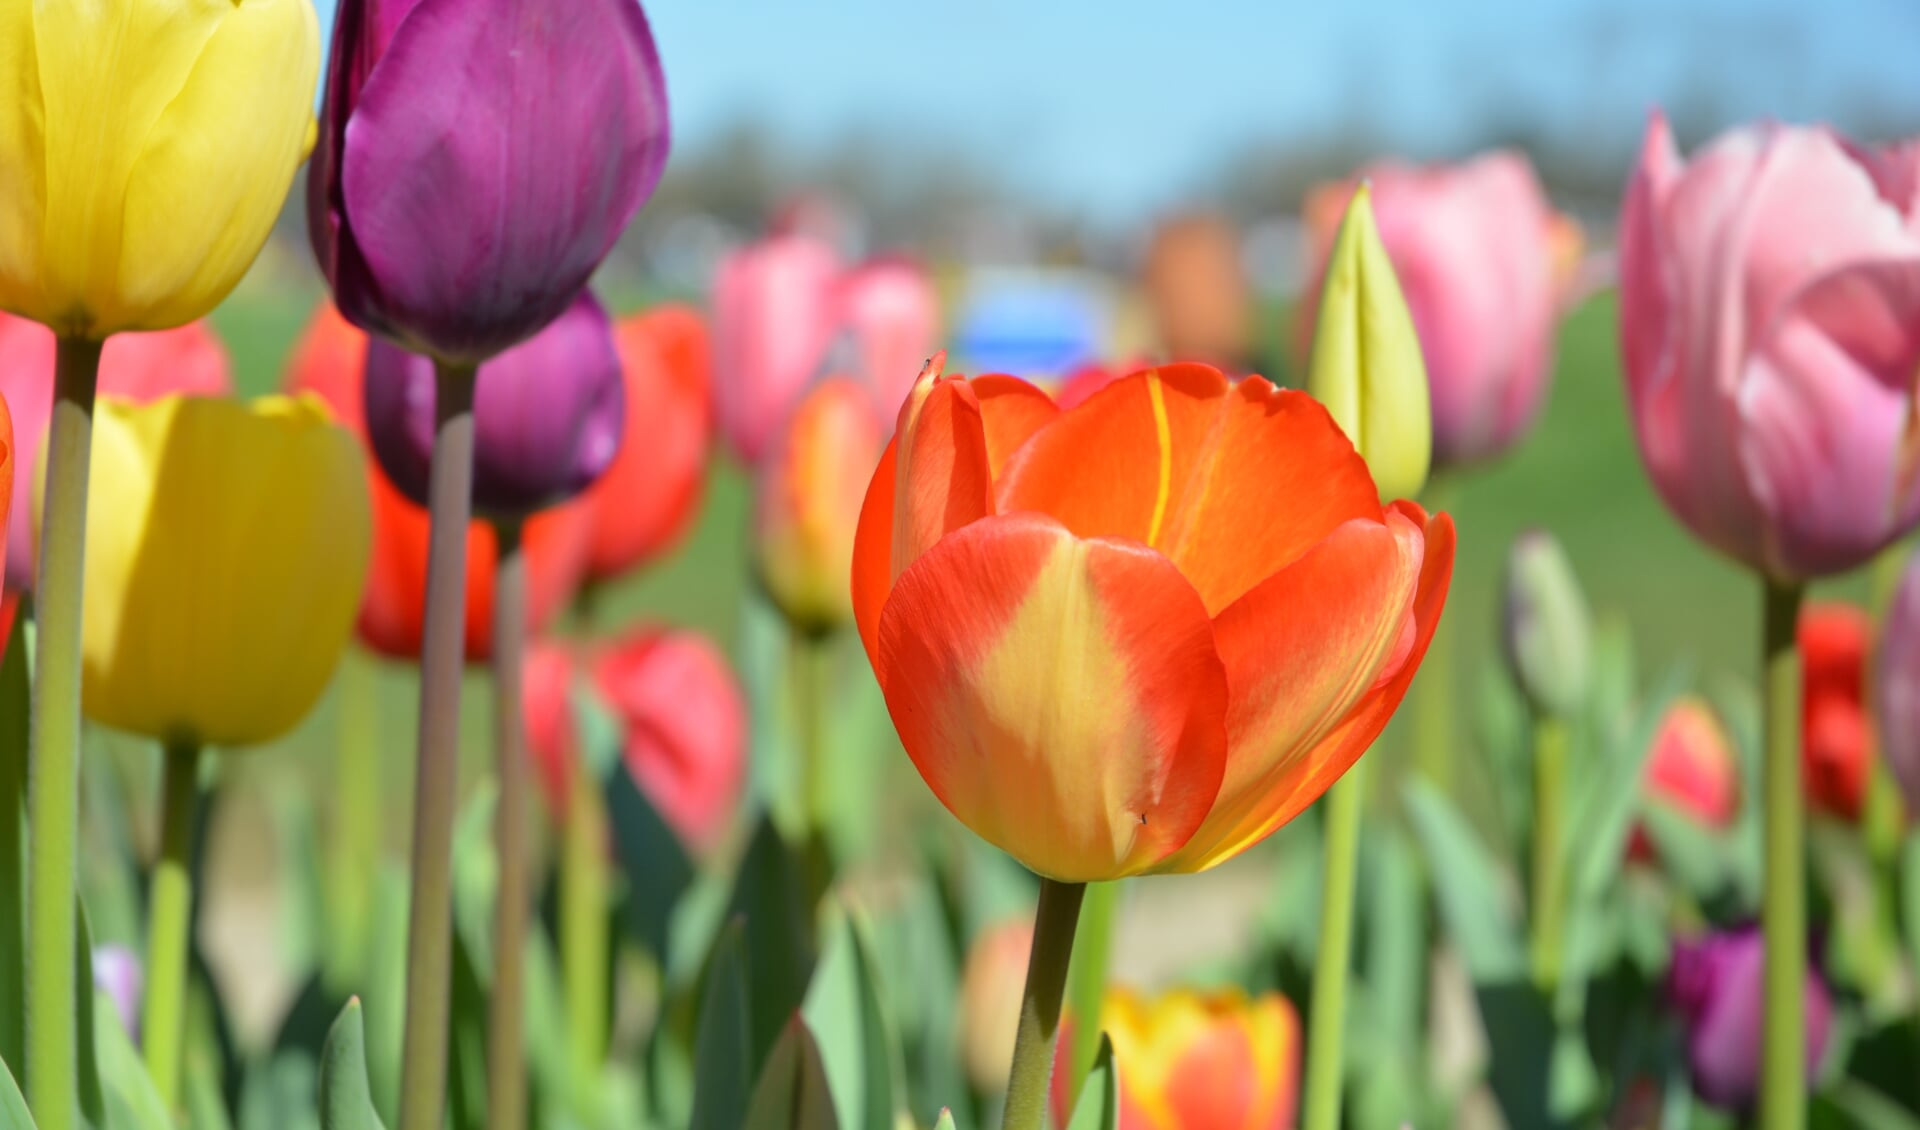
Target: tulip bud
(1548, 634)
(1716, 983)
(810, 494)
(1366, 365)
(1897, 672)
(774, 313)
(890, 315)
(991, 986)
(1836, 736)
(1692, 764)
(117, 973)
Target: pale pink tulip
(890, 316)
(773, 321)
(1770, 330)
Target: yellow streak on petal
(1163, 433)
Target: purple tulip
(1897, 672)
(116, 972)
(1717, 983)
(477, 159)
(548, 415)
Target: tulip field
(458, 673)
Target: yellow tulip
(227, 551)
(145, 149)
(1367, 367)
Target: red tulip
(1837, 747)
(1692, 764)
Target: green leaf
(346, 1099)
(13, 823)
(657, 869)
(793, 1092)
(13, 1107)
(1854, 1105)
(770, 895)
(845, 1011)
(467, 1037)
(945, 1121)
(1396, 942)
(281, 1092)
(1609, 796)
(1099, 1105)
(1910, 895)
(1478, 899)
(93, 1105)
(131, 1099)
(723, 1072)
(206, 1106)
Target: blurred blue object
(1034, 324)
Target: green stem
(583, 925)
(1550, 742)
(1087, 981)
(1332, 964)
(14, 684)
(1433, 687)
(1783, 1083)
(506, 1022)
(1053, 929)
(354, 838)
(807, 657)
(170, 922)
(53, 759)
(423, 1059)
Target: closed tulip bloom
(1200, 1060)
(644, 503)
(990, 989)
(1692, 766)
(1836, 750)
(1482, 258)
(890, 314)
(1770, 328)
(548, 415)
(1366, 365)
(141, 367)
(148, 145)
(1142, 634)
(225, 560)
(1897, 691)
(1548, 632)
(1715, 985)
(1197, 288)
(774, 318)
(476, 162)
(808, 506)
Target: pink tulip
(773, 322)
(141, 366)
(1770, 329)
(1481, 256)
(891, 314)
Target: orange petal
(1061, 696)
(1231, 482)
(1013, 411)
(941, 478)
(1318, 658)
(873, 555)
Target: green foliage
(723, 1048)
(1099, 1105)
(793, 1092)
(346, 1097)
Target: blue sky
(1121, 107)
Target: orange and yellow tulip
(1141, 634)
(811, 487)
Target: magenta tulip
(477, 159)
(1480, 253)
(773, 321)
(548, 415)
(1715, 984)
(1770, 328)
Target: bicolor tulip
(1896, 669)
(1715, 984)
(774, 318)
(1197, 289)
(1366, 366)
(808, 505)
(990, 989)
(1482, 259)
(226, 557)
(1692, 766)
(1770, 329)
(1837, 746)
(1200, 1060)
(1144, 633)
(475, 163)
(149, 146)
(548, 415)
(648, 496)
(141, 367)
(1547, 630)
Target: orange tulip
(808, 503)
(1144, 633)
(1201, 1061)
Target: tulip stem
(808, 656)
(1433, 687)
(583, 925)
(506, 1042)
(423, 1063)
(53, 759)
(170, 921)
(13, 824)
(1550, 741)
(356, 824)
(1053, 929)
(1087, 981)
(1327, 1017)
(1783, 1080)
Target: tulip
(462, 192)
(1714, 984)
(1836, 744)
(142, 367)
(1201, 1060)
(647, 498)
(1548, 631)
(1366, 365)
(116, 972)
(1197, 289)
(891, 313)
(1897, 686)
(990, 1001)
(774, 317)
(808, 504)
(548, 415)
(1692, 766)
(1481, 257)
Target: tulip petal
(481, 207)
(1318, 658)
(1012, 411)
(1061, 696)
(1248, 476)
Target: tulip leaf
(93, 1104)
(280, 1092)
(13, 884)
(945, 1121)
(723, 1071)
(845, 1010)
(1852, 1105)
(1477, 898)
(1099, 1105)
(206, 1106)
(793, 1092)
(770, 895)
(13, 1107)
(346, 1097)
(132, 1101)
(1396, 936)
(1604, 811)
(1696, 857)
(467, 1040)
(656, 867)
